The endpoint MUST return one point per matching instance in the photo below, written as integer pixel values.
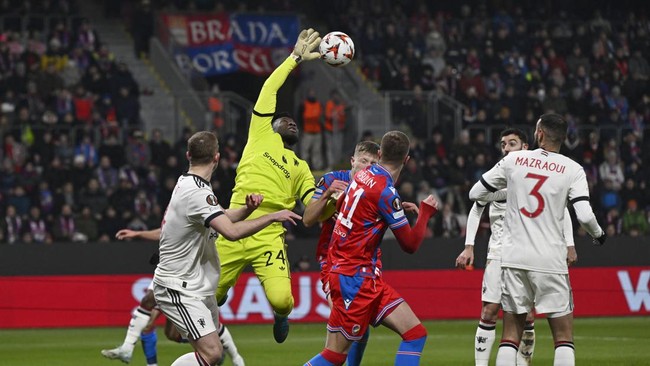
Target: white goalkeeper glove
(308, 40)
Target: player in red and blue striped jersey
(322, 207)
(358, 293)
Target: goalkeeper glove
(307, 41)
(600, 240)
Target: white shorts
(491, 290)
(547, 293)
(194, 317)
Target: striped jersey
(371, 206)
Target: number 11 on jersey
(356, 193)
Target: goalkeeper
(270, 167)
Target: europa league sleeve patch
(212, 200)
(397, 204)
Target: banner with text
(79, 301)
(213, 44)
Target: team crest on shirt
(211, 200)
(397, 204)
(355, 329)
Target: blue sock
(409, 352)
(355, 354)
(318, 360)
(149, 341)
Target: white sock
(483, 342)
(227, 342)
(188, 359)
(526, 347)
(507, 355)
(565, 354)
(139, 320)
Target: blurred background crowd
(76, 165)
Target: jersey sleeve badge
(211, 200)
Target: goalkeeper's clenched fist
(307, 41)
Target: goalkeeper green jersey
(266, 166)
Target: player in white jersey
(143, 317)
(187, 274)
(512, 139)
(535, 274)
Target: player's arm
(466, 257)
(264, 108)
(410, 238)
(238, 230)
(321, 207)
(253, 201)
(579, 198)
(572, 255)
(491, 182)
(132, 234)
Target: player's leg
(149, 341)
(357, 349)
(562, 329)
(554, 298)
(491, 297)
(513, 326)
(404, 322)
(139, 320)
(195, 318)
(527, 345)
(232, 257)
(517, 301)
(229, 346)
(268, 254)
(486, 333)
(353, 301)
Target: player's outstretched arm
(409, 239)
(466, 257)
(317, 209)
(253, 201)
(132, 234)
(238, 230)
(264, 108)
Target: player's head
(513, 139)
(203, 149)
(394, 149)
(550, 131)
(365, 153)
(284, 125)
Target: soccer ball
(337, 49)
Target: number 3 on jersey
(356, 193)
(535, 193)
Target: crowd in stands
(507, 66)
(76, 165)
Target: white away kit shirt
(540, 184)
(188, 256)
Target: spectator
(611, 172)
(160, 149)
(109, 225)
(311, 113)
(634, 221)
(37, 227)
(446, 223)
(93, 197)
(64, 225)
(335, 118)
(86, 229)
(13, 225)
